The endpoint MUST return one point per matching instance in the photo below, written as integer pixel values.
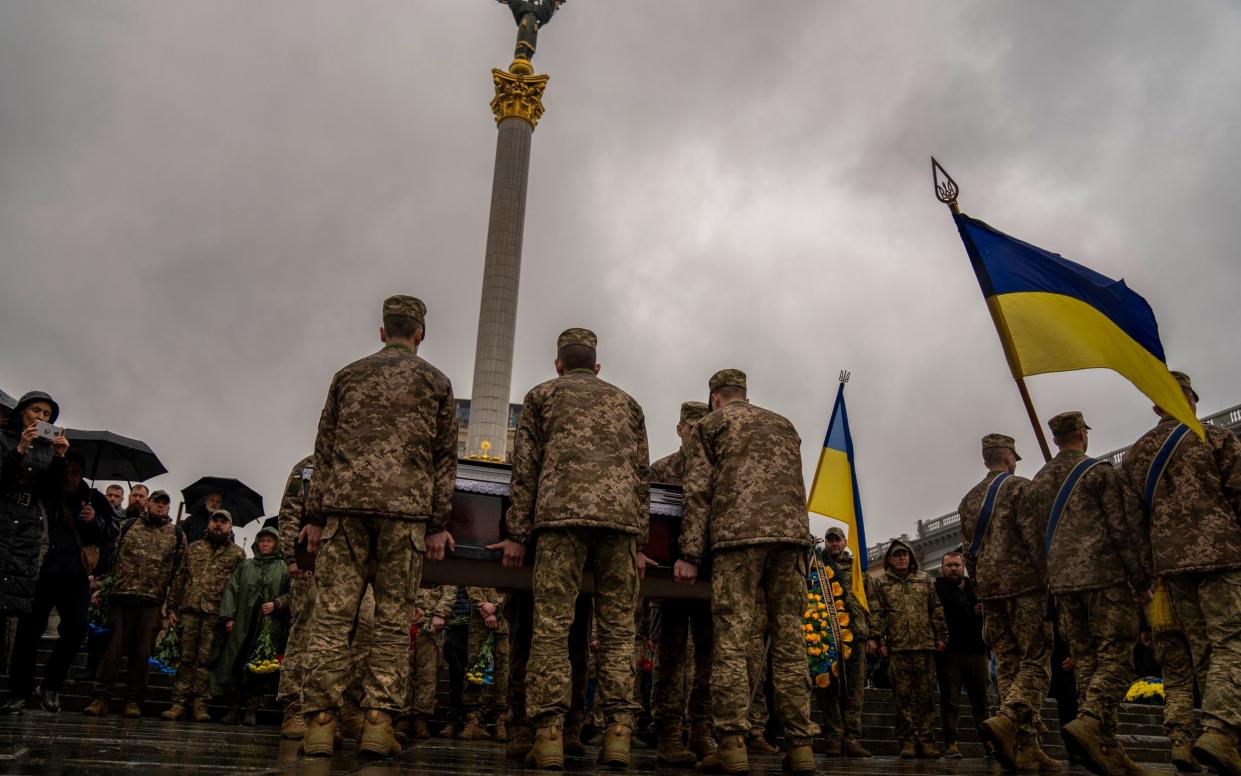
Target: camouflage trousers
(293, 669)
(1207, 606)
(359, 647)
(681, 685)
(1021, 641)
(1174, 656)
(1100, 627)
(476, 696)
(756, 668)
(424, 670)
(843, 699)
(913, 678)
(194, 673)
(519, 614)
(349, 546)
(561, 555)
(779, 571)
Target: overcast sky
(202, 206)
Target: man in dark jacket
(80, 518)
(964, 662)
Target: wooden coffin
(479, 502)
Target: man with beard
(149, 555)
(137, 503)
(964, 663)
(843, 715)
(195, 603)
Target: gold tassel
(1159, 612)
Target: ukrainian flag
(834, 491)
(1057, 316)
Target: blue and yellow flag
(1057, 316)
(834, 491)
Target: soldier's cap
(835, 531)
(577, 336)
(694, 411)
(1066, 423)
(221, 514)
(405, 306)
(725, 378)
(1183, 380)
(1000, 440)
(160, 495)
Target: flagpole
(946, 191)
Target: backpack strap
(1160, 462)
(984, 515)
(1062, 498)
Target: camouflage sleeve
(325, 441)
(1032, 514)
(482, 595)
(878, 620)
(178, 562)
(1227, 455)
(446, 596)
(177, 594)
(967, 538)
(445, 464)
(644, 481)
(696, 503)
(289, 520)
(1124, 518)
(527, 457)
(936, 608)
(285, 590)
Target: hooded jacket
(905, 611)
(255, 582)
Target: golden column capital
(518, 95)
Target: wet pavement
(38, 743)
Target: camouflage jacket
(148, 558)
(1000, 570)
(435, 602)
(1194, 522)
(293, 505)
(387, 442)
(488, 595)
(201, 579)
(743, 482)
(579, 459)
(905, 612)
(670, 469)
(1097, 542)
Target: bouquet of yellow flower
(825, 624)
(483, 670)
(1148, 690)
(264, 660)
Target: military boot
(1215, 749)
(1085, 733)
(758, 744)
(833, 747)
(202, 715)
(547, 751)
(928, 751)
(616, 742)
(133, 710)
(670, 749)
(909, 750)
(501, 734)
(1001, 733)
(1031, 757)
(953, 751)
(250, 717)
(175, 714)
(420, 729)
(799, 759)
(520, 739)
(97, 708)
(351, 724)
(1119, 761)
(702, 739)
(320, 738)
(378, 739)
(293, 726)
(449, 731)
(1182, 753)
(474, 729)
(854, 748)
(730, 757)
(233, 717)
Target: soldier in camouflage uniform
(673, 622)
(194, 603)
(843, 715)
(744, 493)
(1011, 592)
(1194, 537)
(907, 626)
(149, 556)
(302, 599)
(1093, 562)
(486, 619)
(384, 469)
(580, 483)
(434, 607)
(756, 668)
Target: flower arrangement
(167, 651)
(483, 670)
(1148, 690)
(264, 660)
(97, 614)
(825, 625)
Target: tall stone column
(517, 106)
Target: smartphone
(47, 430)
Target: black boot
(233, 717)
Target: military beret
(694, 411)
(405, 307)
(1000, 440)
(160, 495)
(835, 531)
(1067, 423)
(725, 378)
(1183, 380)
(221, 514)
(577, 336)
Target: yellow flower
(822, 607)
(840, 606)
(823, 680)
(847, 651)
(807, 627)
(837, 590)
(807, 614)
(843, 619)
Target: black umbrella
(6, 400)
(114, 457)
(240, 500)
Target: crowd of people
(1091, 552)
